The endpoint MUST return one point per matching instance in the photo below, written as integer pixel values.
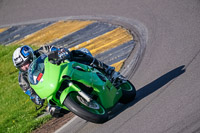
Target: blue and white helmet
(22, 55)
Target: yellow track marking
(3, 29)
(118, 65)
(53, 32)
(107, 41)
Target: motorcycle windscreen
(36, 70)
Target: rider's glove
(35, 98)
(38, 100)
(62, 52)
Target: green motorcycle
(76, 87)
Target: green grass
(17, 111)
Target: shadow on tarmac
(149, 89)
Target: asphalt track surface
(167, 79)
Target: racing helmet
(23, 55)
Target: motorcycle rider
(24, 55)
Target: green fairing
(54, 75)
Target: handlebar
(59, 61)
(54, 57)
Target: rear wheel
(128, 92)
(90, 111)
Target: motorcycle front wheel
(90, 111)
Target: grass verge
(17, 111)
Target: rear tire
(128, 92)
(92, 111)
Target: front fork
(73, 88)
(85, 96)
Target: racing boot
(56, 111)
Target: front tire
(92, 111)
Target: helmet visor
(24, 66)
